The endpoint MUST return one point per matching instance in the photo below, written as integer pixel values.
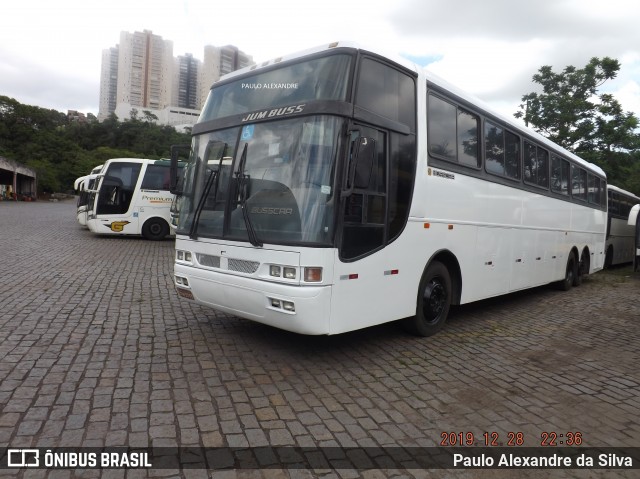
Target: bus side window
(578, 183)
(452, 133)
(594, 190)
(560, 175)
(156, 178)
(502, 151)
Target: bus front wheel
(434, 301)
(155, 229)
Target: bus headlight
(274, 270)
(286, 272)
(282, 305)
(183, 256)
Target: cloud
(509, 21)
(32, 84)
(493, 48)
(50, 52)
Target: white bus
(620, 245)
(83, 186)
(634, 222)
(131, 197)
(337, 189)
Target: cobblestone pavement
(96, 349)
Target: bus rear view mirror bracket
(174, 180)
(361, 165)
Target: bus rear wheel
(434, 301)
(608, 260)
(155, 229)
(570, 274)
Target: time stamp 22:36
(490, 439)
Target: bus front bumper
(300, 309)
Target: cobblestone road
(96, 349)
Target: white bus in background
(131, 197)
(80, 184)
(634, 222)
(83, 185)
(337, 189)
(620, 245)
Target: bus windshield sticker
(247, 132)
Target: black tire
(608, 259)
(570, 274)
(155, 229)
(433, 302)
(582, 270)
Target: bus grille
(207, 260)
(239, 265)
(243, 266)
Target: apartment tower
(141, 74)
(108, 83)
(185, 82)
(219, 61)
(145, 64)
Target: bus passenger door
(118, 188)
(362, 259)
(116, 195)
(364, 194)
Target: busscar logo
(286, 110)
(265, 210)
(23, 458)
(441, 174)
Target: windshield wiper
(243, 180)
(214, 177)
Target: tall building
(136, 74)
(141, 73)
(219, 61)
(108, 83)
(145, 64)
(185, 82)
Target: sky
(51, 51)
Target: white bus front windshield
(281, 186)
(262, 166)
(293, 86)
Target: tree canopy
(572, 112)
(61, 150)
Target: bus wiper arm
(211, 179)
(243, 180)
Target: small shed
(17, 181)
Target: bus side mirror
(175, 183)
(361, 165)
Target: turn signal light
(313, 274)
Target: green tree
(572, 112)
(60, 150)
(149, 117)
